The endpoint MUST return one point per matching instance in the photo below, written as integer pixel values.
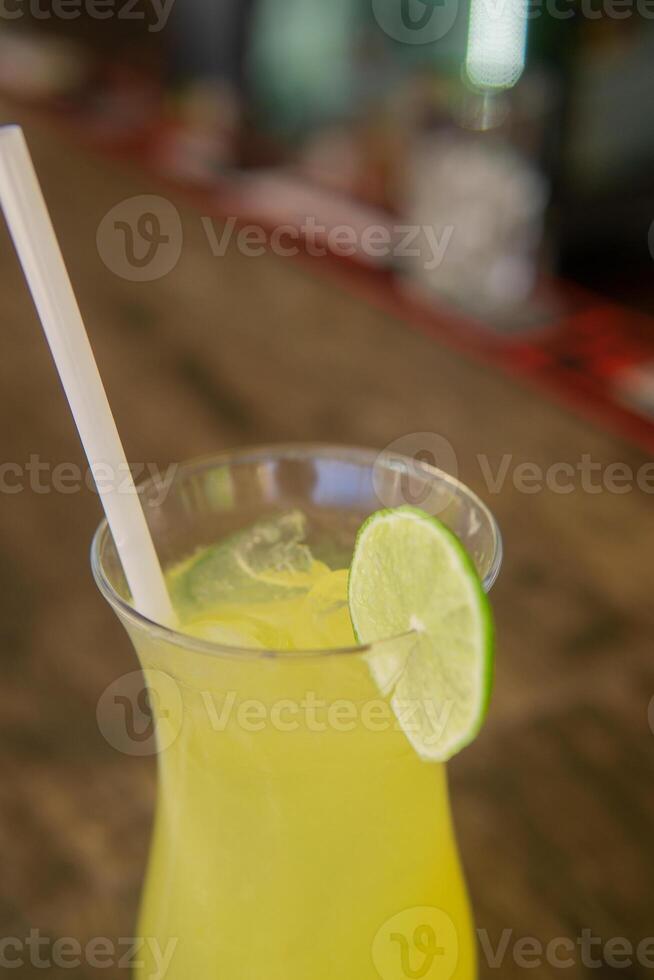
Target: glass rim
(365, 456)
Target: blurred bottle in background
(302, 64)
(208, 46)
(607, 164)
(475, 185)
(474, 176)
(520, 124)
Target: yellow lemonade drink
(299, 834)
(304, 714)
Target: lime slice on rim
(410, 573)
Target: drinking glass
(298, 834)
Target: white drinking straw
(40, 256)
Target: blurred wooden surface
(554, 803)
